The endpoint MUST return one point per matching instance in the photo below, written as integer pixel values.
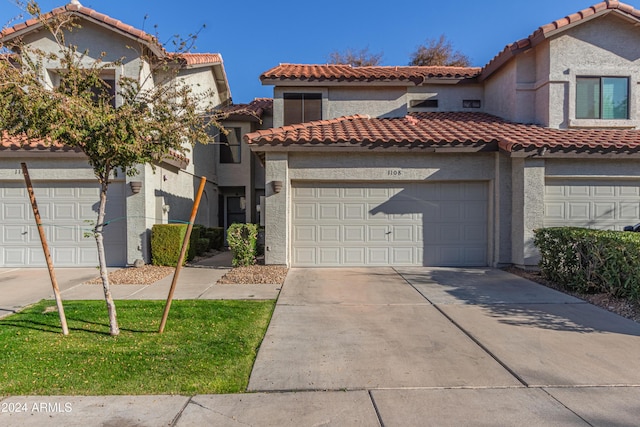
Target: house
(65, 186)
(240, 173)
(439, 166)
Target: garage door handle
(388, 232)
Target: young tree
(356, 58)
(149, 122)
(439, 52)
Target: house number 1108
(394, 172)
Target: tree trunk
(111, 307)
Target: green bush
(591, 261)
(242, 239)
(215, 236)
(166, 243)
(192, 252)
(202, 246)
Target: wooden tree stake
(45, 247)
(183, 253)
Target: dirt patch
(255, 274)
(620, 306)
(145, 275)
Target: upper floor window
(302, 107)
(602, 98)
(230, 147)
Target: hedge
(591, 261)
(242, 239)
(166, 243)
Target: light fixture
(277, 186)
(136, 186)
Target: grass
(207, 347)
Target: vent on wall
(424, 103)
(471, 103)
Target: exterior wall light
(136, 186)
(277, 186)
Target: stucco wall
(607, 46)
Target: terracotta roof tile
(201, 58)
(547, 30)
(77, 9)
(14, 143)
(253, 110)
(22, 143)
(347, 73)
(445, 130)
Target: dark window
(424, 103)
(230, 147)
(602, 98)
(105, 91)
(302, 107)
(471, 103)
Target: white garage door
(367, 224)
(67, 210)
(600, 204)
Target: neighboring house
(240, 173)
(65, 186)
(437, 166)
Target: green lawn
(207, 347)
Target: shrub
(215, 236)
(591, 260)
(166, 242)
(202, 246)
(242, 239)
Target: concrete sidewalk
(403, 347)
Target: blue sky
(254, 36)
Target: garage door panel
(631, 191)
(402, 233)
(377, 233)
(354, 211)
(604, 210)
(305, 211)
(304, 256)
(378, 256)
(14, 211)
(579, 211)
(305, 233)
(629, 210)
(354, 256)
(402, 256)
(66, 209)
(606, 204)
(389, 224)
(15, 234)
(329, 256)
(354, 233)
(328, 233)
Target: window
(230, 147)
(602, 98)
(107, 90)
(302, 107)
(424, 103)
(471, 103)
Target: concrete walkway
(403, 347)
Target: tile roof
(75, 8)
(20, 143)
(200, 58)
(472, 130)
(347, 73)
(251, 111)
(15, 143)
(546, 31)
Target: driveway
(451, 345)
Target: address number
(394, 172)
